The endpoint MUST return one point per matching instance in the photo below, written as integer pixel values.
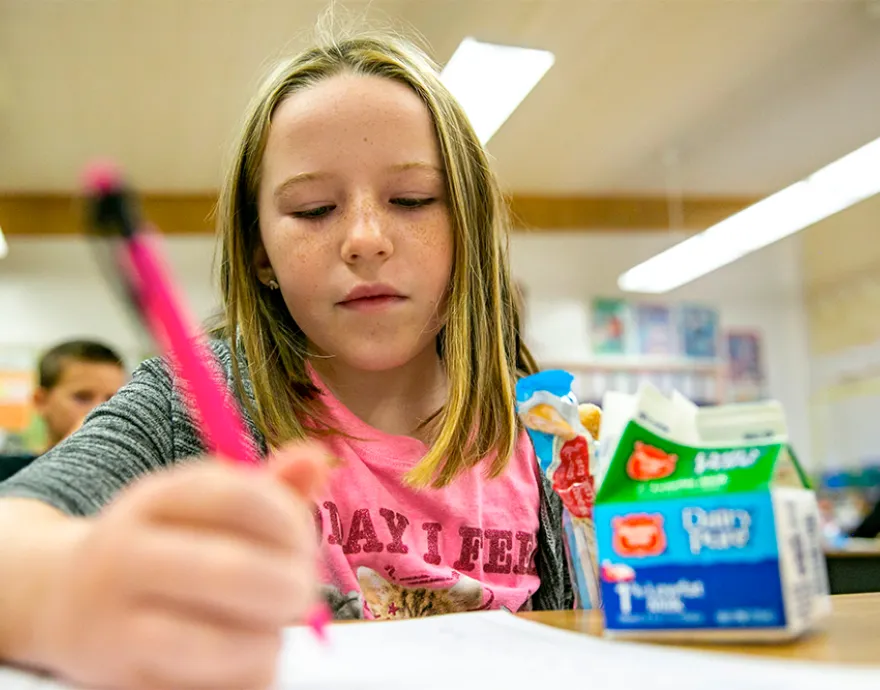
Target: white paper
(476, 651)
(498, 650)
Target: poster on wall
(699, 331)
(745, 368)
(16, 389)
(18, 430)
(654, 329)
(609, 326)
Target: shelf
(638, 365)
(702, 381)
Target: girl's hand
(188, 578)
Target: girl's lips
(377, 303)
(371, 297)
(371, 290)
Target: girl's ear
(265, 273)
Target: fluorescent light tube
(845, 182)
(490, 81)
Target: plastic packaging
(566, 451)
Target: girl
(368, 305)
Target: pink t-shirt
(398, 552)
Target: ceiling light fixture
(490, 81)
(837, 186)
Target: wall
(562, 272)
(841, 258)
(842, 279)
(50, 289)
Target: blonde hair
(480, 342)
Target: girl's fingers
(302, 466)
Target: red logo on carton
(648, 462)
(617, 572)
(638, 535)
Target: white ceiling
(749, 95)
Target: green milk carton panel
(706, 527)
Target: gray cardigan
(145, 427)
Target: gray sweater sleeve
(127, 437)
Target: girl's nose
(366, 238)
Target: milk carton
(706, 528)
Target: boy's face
(81, 387)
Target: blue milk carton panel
(693, 563)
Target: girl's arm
(35, 538)
(122, 440)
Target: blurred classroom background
(656, 120)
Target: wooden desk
(850, 636)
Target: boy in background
(74, 377)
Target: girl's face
(354, 220)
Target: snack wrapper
(564, 436)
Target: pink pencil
(218, 419)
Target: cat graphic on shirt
(394, 601)
(348, 606)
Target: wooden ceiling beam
(32, 214)
(38, 215)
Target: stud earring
(272, 284)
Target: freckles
(434, 232)
(429, 234)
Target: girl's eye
(412, 203)
(317, 212)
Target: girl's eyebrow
(298, 179)
(416, 165)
